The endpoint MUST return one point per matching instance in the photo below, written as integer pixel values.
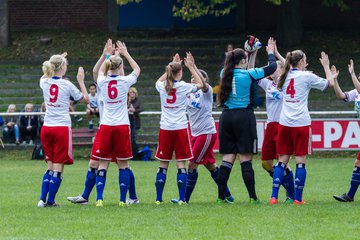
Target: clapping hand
(324, 60)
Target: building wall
(57, 14)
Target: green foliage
(321, 218)
(124, 2)
(191, 9)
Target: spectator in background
(92, 107)
(134, 108)
(41, 118)
(11, 125)
(229, 48)
(29, 125)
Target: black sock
(249, 178)
(225, 170)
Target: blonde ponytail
(53, 65)
(113, 63)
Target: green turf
(321, 218)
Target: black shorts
(237, 131)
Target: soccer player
(237, 126)
(56, 133)
(294, 131)
(202, 125)
(353, 95)
(274, 101)
(114, 134)
(173, 135)
(94, 162)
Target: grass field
(321, 218)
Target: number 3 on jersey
(291, 89)
(112, 90)
(172, 96)
(54, 93)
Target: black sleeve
(271, 68)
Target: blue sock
(190, 183)
(54, 187)
(123, 183)
(45, 184)
(277, 179)
(288, 183)
(355, 181)
(89, 182)
(132, 188)
(215, 176)
(300, 178)
(181, 182)
(160, 183)
(100, 183)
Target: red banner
(327, 134)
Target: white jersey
(113, 93)
(274, 99)
(353, 96)
(57, 93)
(296, 88)
(199, 107)
(173, 106)
(93, 101)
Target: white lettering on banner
(352, 135)
(332, 132)
(316, 138)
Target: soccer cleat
(273, 201)
(130, 201)
(78, 199)
(221, 201)
(123, 204)
(174, 200)
(99, 203)
(52, 205)
(41, 204)
(159, 202)
(343, 198)
(181, 202)
(229, 199)
(296, 202)
(254, 201)
(289, 200)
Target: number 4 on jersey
(291, 89)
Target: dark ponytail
(292, 60)
(232, 58)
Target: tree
(289, 22)
(4, 27)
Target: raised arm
(205, 87)
(252, 58)
(324, 60)
(271, 67)
(80, 79)
(108, 49)
(355, 80)
(278, 55)
(190, 64)
(121, 47)
(339, 93)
